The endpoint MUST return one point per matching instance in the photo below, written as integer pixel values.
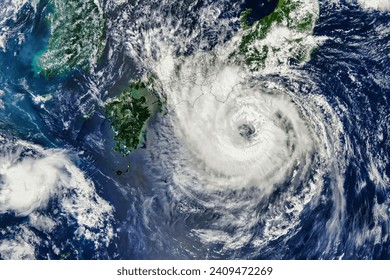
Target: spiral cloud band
(251, 150)
(247, 146)
(241, 135)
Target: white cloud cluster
(30, 178)
(381, 5)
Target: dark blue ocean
(350, 70)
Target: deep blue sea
(65, 140)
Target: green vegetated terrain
(129, 114)
(283, 15)
(77, 37)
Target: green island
(65, 256)
(129, 114)
(77, 37)
(284, 15)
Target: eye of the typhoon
(247, 131)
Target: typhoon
(195, 129)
